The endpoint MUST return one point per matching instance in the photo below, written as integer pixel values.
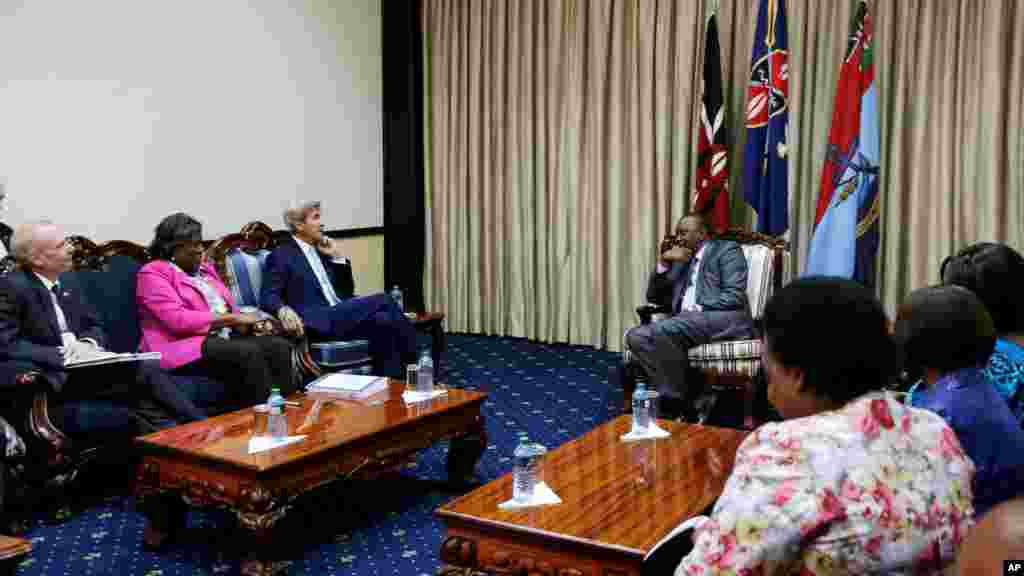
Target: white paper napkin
(543, 495)
(263, 443)
(411, 397)
(652, 431)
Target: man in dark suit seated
(704, 283)
(303, 289)
(45, 324)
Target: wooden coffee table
(208, 462)
(618, 500)
(11, 552)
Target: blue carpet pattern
(552, 392)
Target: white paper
(264, 443)
(543, 495)
(105, 357)
(411, 397)
(694, 523)
(346, 382)
(652, 431)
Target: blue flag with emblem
(765, 172)
(846, 224)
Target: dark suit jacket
(290, 280)
(28, 323)
(721, 285)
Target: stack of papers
(350, 386)
(104, 357)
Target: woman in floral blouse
(995, 272)
(853, 481)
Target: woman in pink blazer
(187, 314)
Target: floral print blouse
(875, 487)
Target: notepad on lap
(349, 385)
(102, 357)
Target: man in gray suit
(704, 283)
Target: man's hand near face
(678, 253)
(330, 248)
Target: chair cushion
(760, 276)
(111, 293)
(728, 350)
(742, 366)
(738, 356)
(340, 354)
(245, 275)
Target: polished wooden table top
(615, 495)
(13, 547)
(225, 438)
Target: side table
(433, 324)
(11, 552)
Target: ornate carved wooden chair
(240, 260)
(731, 366)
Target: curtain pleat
(561, 145)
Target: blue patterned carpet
(553, 392)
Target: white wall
(115, 113)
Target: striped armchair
(240, 260)
(731, 366)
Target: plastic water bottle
(396, 295)
(525, 468)
(425, 374)
(277, 422)
(641, 407)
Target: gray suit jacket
(721, 284)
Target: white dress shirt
(62, 320)
(313, 257)
(690, 296)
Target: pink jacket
(173, 314)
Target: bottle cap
(275, 390)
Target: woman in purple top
(947, 337)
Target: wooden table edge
(467, 522)
(20, 548)
(153, 449)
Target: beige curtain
(561, 144)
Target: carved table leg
(258, 512)
(165, 515)
(463, 454)
(458, 556)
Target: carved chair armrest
(648, 310)
(300, 345)
(29, 410)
